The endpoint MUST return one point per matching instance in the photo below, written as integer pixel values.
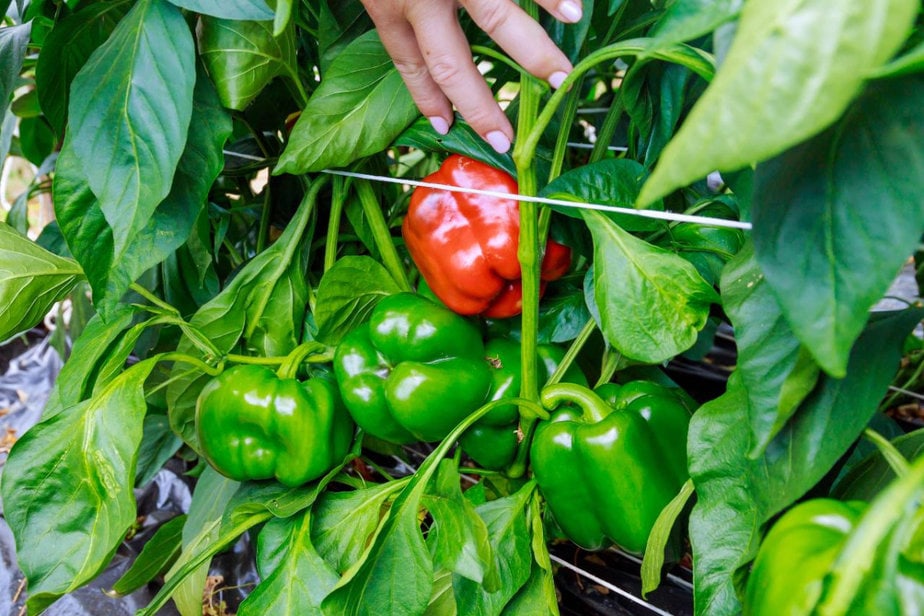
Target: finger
(449, 58)
(567, 11)
(522, 37)
(397, 36)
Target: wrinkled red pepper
(465, 245)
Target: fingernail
(498, 141)
(439, 124)
(555, 79)
(570, 10)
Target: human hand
(430, 51)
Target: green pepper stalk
(607, 468)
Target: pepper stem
(593, 408)
(289, 368)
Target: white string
(609, 586)
(671, 216)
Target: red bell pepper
(465, 245)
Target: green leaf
(737, 495)
(685, 20)
(90, 237)
(660, 535)
(158, 445)
(507, 520)
(442, 602)
(294, 577)
(358, 109)
(458, 537)
(461, 139)
(652, 302)
(129, 113)
(344, 522)
(768, 352)
(255, 10)
(36, 139)
(159, 552)
(243, 57)
(67, 487)
(793, 66)
(538, 595)
(233, 313)
(827, 255)
(66, 49)
(31, 281)
(13, 43)
(612, 181)
(872, 474)
(347, 293)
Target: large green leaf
(873, 473)
(91, 239)
(66, 49)
(13, 43)
(294, 577)
(792, 69)
(67, 487)
(129, 114)
(31, 281)
(242, 57)
(359, 108)
(651, 302)
(737, 494)
(229, 9)
(836, 217)
(768, 352)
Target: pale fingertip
(557, 78)
(498, 141)
(570, 10)
(439, 124)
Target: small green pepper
(607, 468)
(413, 371)
(492, 442)
(252, 424)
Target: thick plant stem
(382, 235)
(333, 223)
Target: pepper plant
(216, 171)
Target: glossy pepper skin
(788, 576)
(465, 245)
(252, 424)
(413, 371)
(608, 468)
(492, 441)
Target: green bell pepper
(607, 465)
(251, 424)
(492, 442)
(413, 371)
(788, 576)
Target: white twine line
(609, 586)
(676, 579)
(672, 216)
(659, 215)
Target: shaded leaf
(347, 293)
(685, 20)
(13, 43)
(158, 553)
(872, 474)
(827, 255)
(243, 57)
